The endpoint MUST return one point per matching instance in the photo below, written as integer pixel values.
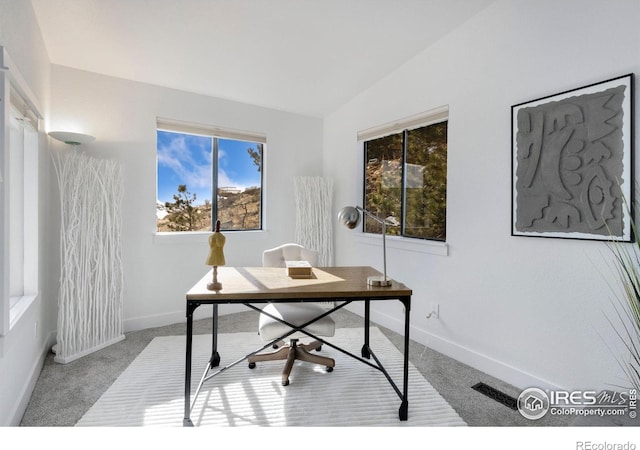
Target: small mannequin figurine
(216, 256)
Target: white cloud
(178, 157)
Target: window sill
(20, 306)
(405, 244)
(197, 237)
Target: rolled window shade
(25, 114)
(206, 130)
(430, 117)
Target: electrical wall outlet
(435, 311)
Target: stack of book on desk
(299, 269)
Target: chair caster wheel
(329, 369)
(252, 365)
(285, 383)
(319, 348)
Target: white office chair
(294, 313)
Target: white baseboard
(160, 320)
(27, 389)
(484, 363)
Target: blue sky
(186, 159)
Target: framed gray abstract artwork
(572, 163)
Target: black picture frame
(572, 163)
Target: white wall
(22, 351)
(528, 310)
(122, 116)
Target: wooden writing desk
(255, 285)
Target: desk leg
(365, 348)
(215, 356)
(187, 372)
(404, 407)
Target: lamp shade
(71, 138)
(349, 216)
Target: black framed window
(406, 182)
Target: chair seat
(296, 314)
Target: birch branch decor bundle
(91, 274)
(314, 229)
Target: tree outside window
(406, 182)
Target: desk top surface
(272, 283)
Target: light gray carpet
(64, 393)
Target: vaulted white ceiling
(302, 56)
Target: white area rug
(150, 392)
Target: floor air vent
(497, 395)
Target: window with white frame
(405, 176)
(20, 220)
(206, 174)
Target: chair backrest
(275, 257)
